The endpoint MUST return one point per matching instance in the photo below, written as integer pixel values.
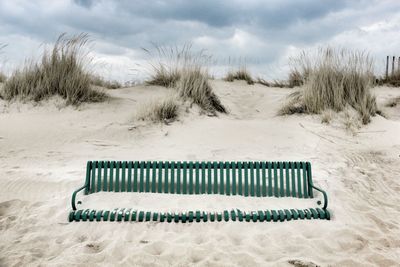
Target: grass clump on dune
(194, 85)
(335, 79)
(300, 68)
(167, 64)
(3, 77)
(101, 82)
(274, 83)
(187, 73)
(163, 110)
(59, 72)
(240, 74)
(392, 79)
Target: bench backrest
(279, 179)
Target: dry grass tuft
(168, 62)
(294, 104)
(165, 110)
(335, 79)
(194, 85)
(295, 79)
(300, 68)
(60, 72)
(351, 120)
(326, 116)
(393, 79)
(187, 73)
(241, 74)
(3, 78)
(274, 83)
(101, 82)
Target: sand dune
(43, 150)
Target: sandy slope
(43, 151)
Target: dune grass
(194, 85)
(273, 83)
(392, 79)
(167, 63)
(187, 73)
(240, 74)
(59, 72)
(300, 68)
(162, 110)
(3, 77)
(335, 79)
(101, 82)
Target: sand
(44, 147)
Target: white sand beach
(44, 149)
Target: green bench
(248, 179)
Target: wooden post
(394, 58)
(387, 67)
(398, 65)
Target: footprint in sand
(156, 248)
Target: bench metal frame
(248, 179)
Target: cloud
(264, 33)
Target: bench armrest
(323, 193)
(74, 196)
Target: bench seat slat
(129, 176)
(305, 184)
(293, 178)
(117, 176)
(234, 184)
(215, 183)
(153, 177)
(258, 179)
(172, 177)
(264, 179)
(281, 182)
(246, 179)
(105, 170)
(203, 177)
(287, 179)
(276, 187)
(141, 177)
(299, 189)
(252, 185)
(228, 178)
(221, 178)
(197, 180)
(147, 178)
(269, 179)
(99, 168)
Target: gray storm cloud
(265, 33)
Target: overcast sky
(264, 33)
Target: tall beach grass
(241, 73)
(61, 71)
(334, 79)
(186, 72)
(392, 79)
(3, 77)
(161, 110)
(100, 81)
